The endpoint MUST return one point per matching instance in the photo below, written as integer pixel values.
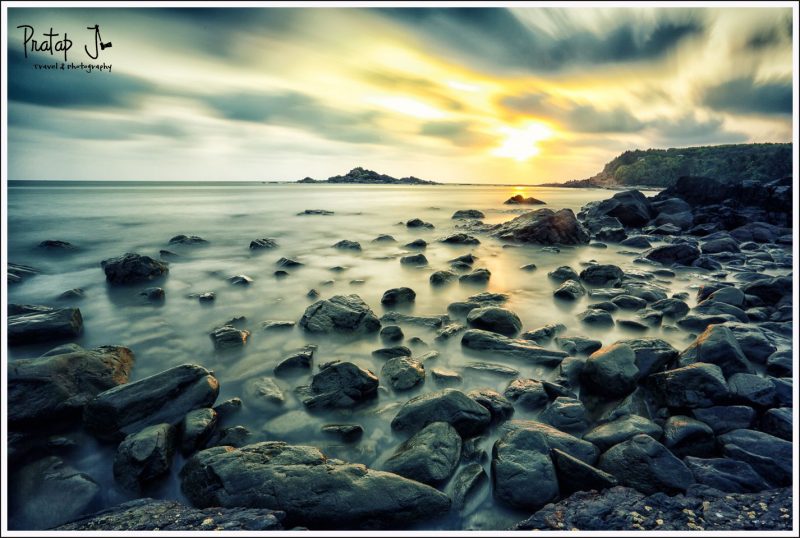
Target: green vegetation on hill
(663, 167)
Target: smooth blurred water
(105, 221)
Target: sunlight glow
(463, 86)
(408, 106)
(520, 143)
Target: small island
(359, 175)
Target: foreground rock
(430, 456)
(679, 254)
(495, 319)
(340, 313)
(275, 475)
(132, 268)
(770, 456)
(631, 208)
(160, 515)
(403, 373)
(467, 416)
(17, 273)
(341, 384)
(611, 371)
(544, 227)
(696, 385)
(144, 456)
(701, 508)
(479, 340)
(519, 199)
(646, 465)
(29, 323)
(165, 397)
(523, 474)
(56, 386)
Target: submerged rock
(345, 244)
(132, 268)
(265, 243)
(495, 319)
(679, 253)
(460, 239)
(480, 340)
(478, 276)
(299, 362)
(30, 323)
(340, 313)
(228, 337)
(544, 227)
(468, 214)
(144, 456)
(519, 199)
(341, 384)
(398, 296)
(430, 456)
(403, 373)
(449, 405)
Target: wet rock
(349, 433)
(446, 377)
(207, 297)
(449, 330)
(722, 244)
(523, 475)
(228, 408)
(417, 243)
(696, 385)
(460, 239)
(729, 295)
(563, 273)
(519, 199)
(727, 475)
(646, 465)
(414, 259)
(56, 386)
(467, 483)
(144, 456)
(685, 436)
(299, 362)
(57, 245)
(392, 352)
(571, 290)
(596, 318)
(17, 273)
(492, 368)
(345, 244)
(49, 492)
(527, 393)
(629, 302)
(165, 397)
(769, 290)
(264, 243)
(187, 240)
(440, 278)
(652, 354)
(578, 345)
(479, 340)
(753, 341)
(554, 438)
(197, 428)
(672, 308)
(324, 212)
(31, 323)
(544, 227)
(602, 275)
(132, 268)
(778, 422)
(398, 296)
(392, 333)
(543, 335)
(495, 319)
(340, 313)
(611, 371)
(717, 345)
(276, 475)
(341, 385)
(264, 394)
(75, 294)
(240, 280)
(768, 455)
(449, 405)
(159, 515)
(418, 223)
(403, 373)
(384, 238)
(154, 295)
(478, 276)
(468, 214)
(467, 259)
(430, 456)
(630, 207)
(699, 323)
(274, 325)
(575, 475)
(617, 431)
(498, 405)
(783, 391)
(236, 436)
(636, 241)
(566, 414)
(228, 337)
(751, 389)
(725, 418)
(288, 263)
(433, 322)
(678, 253)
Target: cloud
(460, 133)
(496, 38)
(771, 36)
(747, 96)
(688, 129)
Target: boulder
(596, 318)
(754, 342)
(264, 394)
(575, 475)
(165, 397)
(418, 223)
(554, 438)
(578, 345)
(430, 456)
(398, 296)
(543, 335)
(611, 371)
(347, 433)
(467, 483)
(340, 314)
(341, 385)
(563, 273)
(132, 268)
(228, 337)
(778, 422)
(56, 386)
(144, 456)
(637, 241)
(725, 418)
(240, 280)
(717, 345)
(631, 208)
(768, 455)
(392, 333)
(718, 245)
(439, 278)
(544, 227)
(495, 319)
(467, 416)
(685, 436)
(629, 302)
(468, 214)
(460, 239)
(498, 405)
(345, 244)
(275, 475)
(478, 276)
(617, 431)
(264, 243)
(678, 254)
(523, 475)
(672, 308)
(696, 385)
(392, 352)
(479, 340)
(646, 465)
(727, 475)
(519, 199)
(187, 240)
(570, 290)
(652, 354)
(30, 324)
(751, 389)
(527, 393)
(197, 428)
(417, 243)
(566, 414)
(299, 362)
(414, 259)
(403, 373)
(602, 275)
(769, 290)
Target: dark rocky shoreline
(690, 433)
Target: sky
(481, 95)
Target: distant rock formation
(362, 175)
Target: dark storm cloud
(771, 36)
(495, 37)
(295, 109)
(746, 96)
(688, 129)
(460, 133)
(70, 88)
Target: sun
(520, 142)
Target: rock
(299, 362)
(630, 207)
(624, 508)
(17, 273)
(466, 484)
(49, 492)
(769, 290)
(643, 463)
(228, 408)
(288, 263)
(498, 405)
(563, 273)
(207, 297)
(751, 389)
(578, 345)
(672, 308)
(340, 313)
(602, 275)
(446, 377)
(519, 199)
(722, 244)
(265, 243)
(699, 323)
(492, 368)
(273, 474)
(274, 325)
(433, 322)
(384, 238)
(544, 227)
(495, 319)
(143, 456)
(696, 385)
(610, 234)
(480, 340)
(523, 475)
(440, 278)
(430, 456)
(403, 373)
(629, 302)
(652, 354)
(478, 276)
(392, 352)
(133, 268)
(467, 259)
(721, 309)
(237, 436)
(392, 333)
(617, 431)
(460, 239)
(417, 243)
(543, 335)
(418, 223)
(414, 259)
(324, 212)
(528, 393)
(240, 280)
(636, 241)
(187, 240)
(571, 290)
(611, 371)
(678, 253)
(783, 391)
(165, 397)
(29, 323)
(228, 337)
(729, 295)
(264, 394)
(197, 428)
(528, 267)
(348, 433)
(753, 341)
(723, 474)
(159, 515)
(723, 419)
(56, 386)
(398, 296)
(554, 438)
(575, 475)
(596, 317)
(449, 405)
(55, 244)
(717, 345)
(778, 422)
(566, 414)
(75, 294)
(342, 384)
(154, 295)
(345, 244)
(468, 214)
(685, 436)
(768, 455)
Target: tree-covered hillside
(662, 167)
